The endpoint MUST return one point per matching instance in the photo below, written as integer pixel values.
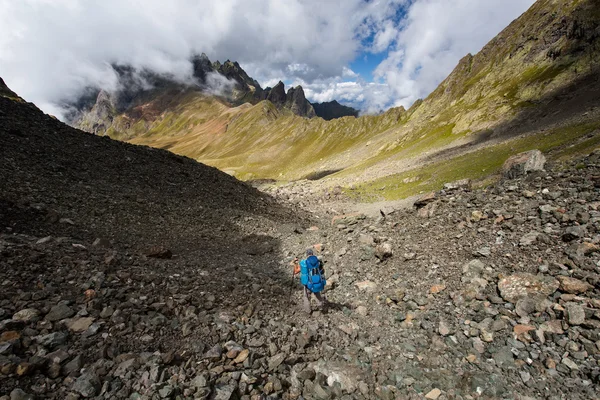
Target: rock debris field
(132, 273)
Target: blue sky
(365, 64)
(369, 54)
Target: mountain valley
(147, 246)
(536, 80)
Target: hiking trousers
(320, 299)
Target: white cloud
(423, 48)
(217, 84)
(384, 37)
(51, 49)
(434, 36)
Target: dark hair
(309, 252)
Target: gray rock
(6, 348)
(199, 381)
(444, 328)
(79, 324)
(107, 312)
(525, 306)
(27, 315)
(482, 252)
(462, 183)
(166, 391)
(92, 330)
(504, 357)
(570, 363)
(224, 392)
(276, 361)
(573, 232)
(367, 253)
(347, 375)
(123, 367)
(87, 385)
(73, 366)
(546, 209)
(18, 394)
(187, 328)
(523, 163)
(214, 354)
(575, 314)
(529, 238)
(321, 393)
(384, 251)
(473, 269)
(52, 340)
(59, 311)
(366, 240)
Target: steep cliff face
(296, 101)
(276, 95)
(201, 67)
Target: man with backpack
(312, 276)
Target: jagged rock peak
(277, 94)
(202, 66)
(296, 101)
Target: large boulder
(425, 199)
(522, 163)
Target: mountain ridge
(329, 110)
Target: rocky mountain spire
(201, 66)
(277, 94)
(296, 101)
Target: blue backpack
(316, 281)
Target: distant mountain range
(227, 81)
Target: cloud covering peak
(51, 50)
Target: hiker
(312, 276)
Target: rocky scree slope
(477, 294)
(105, 211)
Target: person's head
(310, 252)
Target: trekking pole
(292, 283)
